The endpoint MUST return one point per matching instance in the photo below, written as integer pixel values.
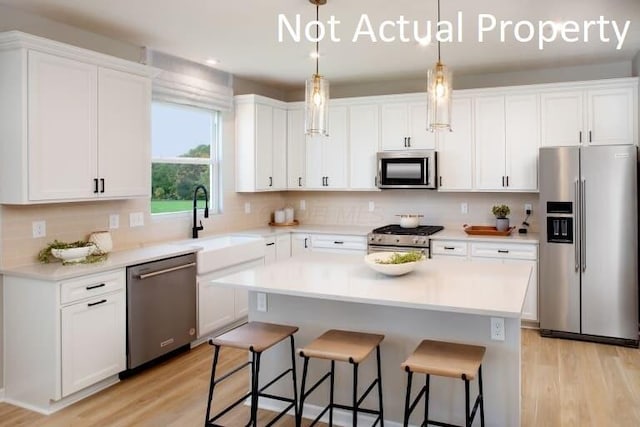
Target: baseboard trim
(340, 416)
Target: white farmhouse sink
(220, 252)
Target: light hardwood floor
(564, 383)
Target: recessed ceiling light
(314, 55)
(212, 61)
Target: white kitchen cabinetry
(261, 144)
(64, 102)
(404, 126)
(283, 246)
(593, 114)
(339, 243)
(513, 253)
(364, 137)
(455, 149)
(63, 337)
(296, 149)
(449, 249)
(326, 165)
(300, 243)
(506, 142)
(270, 250)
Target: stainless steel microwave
(407, 169)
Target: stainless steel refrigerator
(589, 243)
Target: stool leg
(294, 376)
(355, 395)
(407, 399)
(466, 402)
(481, 396)
(426, 399)
(255, 389)
(212, 384)
(380, 386)
(331, 385)
(302, 396)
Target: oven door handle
(383, 248)
(166, 270)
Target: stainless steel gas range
(397, 239)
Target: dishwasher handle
(166, 270)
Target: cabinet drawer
(449, 247)
(504, 250)
(90, 286)
(335, 241)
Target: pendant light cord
(437, 26)
(318, 36)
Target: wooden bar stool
(255, 337)
(446, 360)
(343, 346)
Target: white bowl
(73, 254)
(388, 269)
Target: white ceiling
(242, 34)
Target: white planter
(502, 224)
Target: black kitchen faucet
(197, 228)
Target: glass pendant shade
(439, 83)
(316, 114)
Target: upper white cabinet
(261, 144)
(296, 149)
(455, 149)
(59, 101)
(594, 114)
(364, 136)
(506, 142)
(404, 126)
(326, 166)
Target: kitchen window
(185, 153)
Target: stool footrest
(210, 421)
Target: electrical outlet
(261, 302)
(136, 219)
(114, 221)
(464, 208)
(247, 207)
(303, 205)
(497, 328)
(372, 206)
(39, 229)
(527, 207)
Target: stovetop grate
(421, 230)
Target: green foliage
(45, 256)
(398, 258)
(172, 181)
(501, 211)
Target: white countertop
(515, 237)
(442, 285)
(120, 259)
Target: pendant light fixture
(439, 82)
(316, 110)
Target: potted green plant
(501, 212)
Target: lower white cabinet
(270, 250)
(300, 243)
(283, 246)
(339, 243)
(93, 344)
(62, 337)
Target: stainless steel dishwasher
(161, 308)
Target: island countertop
(441, 285)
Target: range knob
(379, 239)
(397, 240)
(416, 240)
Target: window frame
(214, 188)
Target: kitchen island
(440, 300)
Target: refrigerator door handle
(583, 225)
(578, 226)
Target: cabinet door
(264, 147)
(334, 149)
(295, 149)
(562, 118)
(62, 128)
(394, 126)
(314, 173)
(610, 118)
(124, 139)
(363, 146)
(455, 149)
(93, 336)
(490, 142)
(270, 251)
(522, 142)
(419, 137)
(300, 243)
(216, 307)
(279, 150)
(283, 247)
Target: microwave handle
(426, 171)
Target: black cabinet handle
(101, 285)
(91, 304)
(408, 141)
(405, 141)
(449, 248)
(327, 180)
(306, 239)
(270, 244)
(270, 181)
(580, 136)
(338, 242)
(102, 185)
(503, 181)
(440, 183)
(95, 185)
(590, 136)
(502, 251)
(299, 181)
(507, 180)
